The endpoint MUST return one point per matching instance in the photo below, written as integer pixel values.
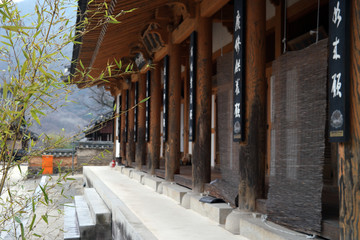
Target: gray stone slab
(86, 223)
(100, 213)
(153, 182)
(174, 191)
(71, 226)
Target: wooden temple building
(253, 101)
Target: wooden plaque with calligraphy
(192, 85)
(338, 70)
(239, 79)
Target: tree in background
(33, 50)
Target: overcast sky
(73, 117)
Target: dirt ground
(59, 193)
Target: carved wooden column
(349, 153)
(155, 121)
(140, 155)
(130, 153)
(201, 169)
(252, 153)
(172, 164)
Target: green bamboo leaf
(144, 100)
(45, 218)
(46, 198)
(16, 28)
(35, 117)
(24, 68)
(17, 219)
(32, 222)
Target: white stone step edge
(71, 226)
(99, 211)
(86, 223)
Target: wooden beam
(183, 31)
(279, 28)
(210, 7)
(226, 49)
(161, 54)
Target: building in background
(260, 93)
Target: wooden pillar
(155, 105)
(122, 128)
(140, 155)
(252, 153)
(201, 168)
(349, 153)
(279, 28)
(130, 153)
(172, 164)
(186, 113)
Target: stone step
(71, 226)
(100, 213)
(86, 223)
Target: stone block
(86, 223)
(174, 191)
(100, 213)
(138, 176)
(215, 211)
(127, 171)
(153, 182)
(254, 228)
(71, 226)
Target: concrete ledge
(86, 223)
(99, 211)
(153, 182)
(138, 176)
(174, 191)
(232, 223)
(127, 171)
(125, 224)
(254, 228)
(71, 226)
(215, 211)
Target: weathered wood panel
(298, 138)
(349, 153)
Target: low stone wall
(64, 163)
(94, 153)
(90, 153)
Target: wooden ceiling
(104, 43)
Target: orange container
(47, 164)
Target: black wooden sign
(147, 107)
(136, 110)
(165, 97)
(192, 91)
(239, 70)
(126, 115)
(338, 70)
(119, 119)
